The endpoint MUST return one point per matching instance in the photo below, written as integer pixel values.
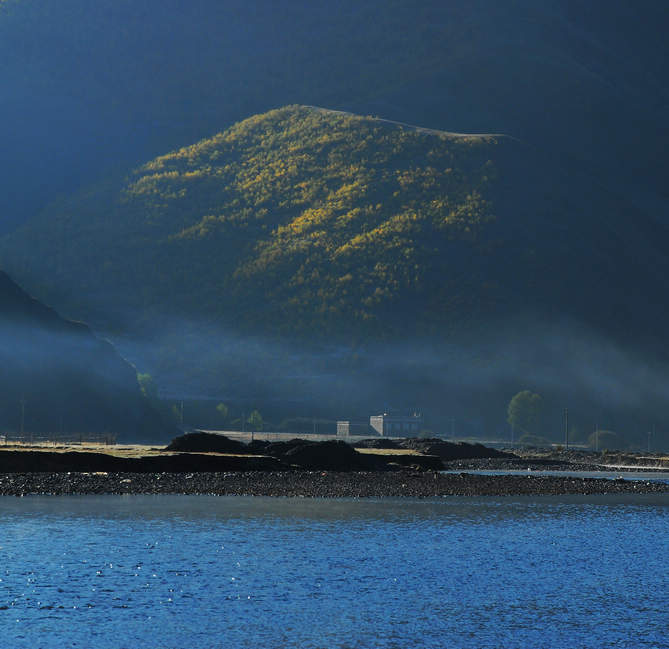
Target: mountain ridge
(135, 79)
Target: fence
(106, 439)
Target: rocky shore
(564, 460)
(316, 484)
(521, 464)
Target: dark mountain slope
(69, 380)
(89, 86)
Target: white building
(356, 428)
(397, 425)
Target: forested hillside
(319, 224)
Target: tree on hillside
(222, 410)
(607, 439)
(148, 387)
(255, 420)
(524, 412)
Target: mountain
(319, 224)
(64, 378)
(92, 87)
(310, 218)
(303, 246)
(563, 262)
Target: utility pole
(566, 429)
(23, 414)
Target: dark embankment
(330, 455)
(446, 451)
(453, 451)
(339, 456)
(446, 454)
(297, 453)
(205, 452)
(206, 443)
(45, 461)
(377, 443)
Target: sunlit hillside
(316, 221)
(316, 224)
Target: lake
(200, 572)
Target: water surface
(180, 571)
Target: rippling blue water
(176, 571)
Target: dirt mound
(330, 454)
(333, 455)
(378, 442)
(258, 447)
(452, 451)
(279, 449)
(206, 443)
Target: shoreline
(316, 484)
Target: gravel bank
(316, 484)
(561, 461)
(516, 464)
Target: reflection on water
(180, 571)
(196, 508)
